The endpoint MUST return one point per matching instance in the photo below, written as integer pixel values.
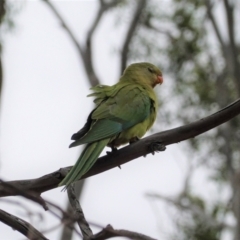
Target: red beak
(159, 79)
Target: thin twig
(87, 55)
(65, 26)
(85, 52)
(130, 33)
(78, 212)
(128, 153)
(30, 195)
(67, 229)
(3, 12)
(35, 197)
(109, 232)
(215, 26)
(229, 9)
(31, 233)
(21, 226)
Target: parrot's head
(144, 72)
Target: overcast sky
(44, 103)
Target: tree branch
(65, 26)
(109, 232)
(105, 233)
(85, 52)
(78, 212)
(21, 226)
(128, 153)
(234, 51)
(34, 196)
(215, 26)
(3, 10)
(131, 30)
(31, 233)
(67, 231)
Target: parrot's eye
(150, 70)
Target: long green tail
(86, 160)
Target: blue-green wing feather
(131, 105)
(103, 128)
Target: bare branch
(3, 10)
(85, 52)
(131, 30)
(65, 26)
(103, 8)
(229, 50)
(230, 21)
(215, 26)
(87, 56)
(234, 51)
(128, 153)
(78, 212)
(34, 196)
(31, 233)
(67, 230)
(109, 232)
(21, 226)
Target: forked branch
(21, 226)
(131, 152)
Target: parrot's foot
(157, 147)
(114, 149)
(133, 140)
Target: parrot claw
(119, 167)
(114, 149)
(157, 147)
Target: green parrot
(124, 112)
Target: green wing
(128, 106)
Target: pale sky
(44, 103)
